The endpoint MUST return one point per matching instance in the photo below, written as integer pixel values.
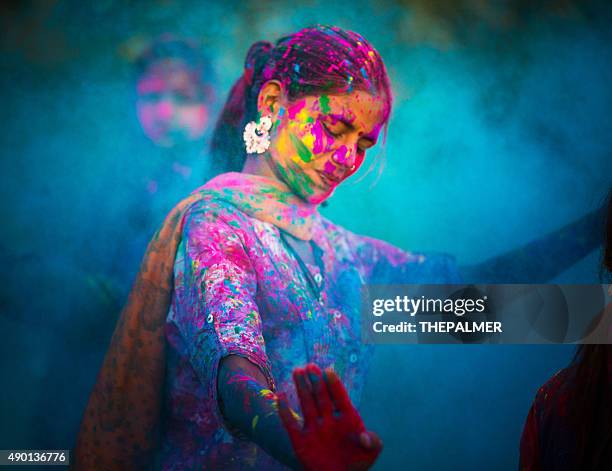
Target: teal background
(501, 132)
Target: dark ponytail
(313, 61)
(227, 150)
(607, 254)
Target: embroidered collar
(267, 200)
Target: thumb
(370, 441)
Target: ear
(269, 98)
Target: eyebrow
(344, 120)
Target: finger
(337, 391)
(305, 394)
(321, 394)
(370, 441)
(287, 416)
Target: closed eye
(330, 132)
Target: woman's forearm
(249, 406)
(541, 260)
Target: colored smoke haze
(500, 132)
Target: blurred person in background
(167, 157)
(174, 101)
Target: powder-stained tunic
(239, 290)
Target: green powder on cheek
(301, 148)
(324, 102)
(296, 179)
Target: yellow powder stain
(283, 143)
(285, 147)
(295, 415)
(254, 423)
(302, 115)
(308, 140)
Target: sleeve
(215, 289)
(530, 448)
(384, 263)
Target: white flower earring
(257, 136)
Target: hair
(607, 253)
(588, 404)
(313, 61)
(189, 52)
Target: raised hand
(333, 436)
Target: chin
(318, 197)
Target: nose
(345, 157)
(165, 109)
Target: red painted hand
(333, 436)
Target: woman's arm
(332, 435)
(248, 405)
(383, 263)
(543, 259)
(530, 445)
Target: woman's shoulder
(551, 399)
(557, 384)
(207, 206)
(373, 247)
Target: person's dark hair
(188, 51)
(607, 254)
(313, 61)
(589, 401)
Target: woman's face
(171, 106)
(319, 141)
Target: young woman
(569, 425)
(247, 283)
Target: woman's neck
(259, 165)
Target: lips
(329, 180)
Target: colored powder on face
(324, 101)
(301, 148)
(308, 140)
(302, 116)
(341, 155)
(329, 168)
(296, 179)
(317, 132)
(295, 109)
(292, 173)
(283, 144)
